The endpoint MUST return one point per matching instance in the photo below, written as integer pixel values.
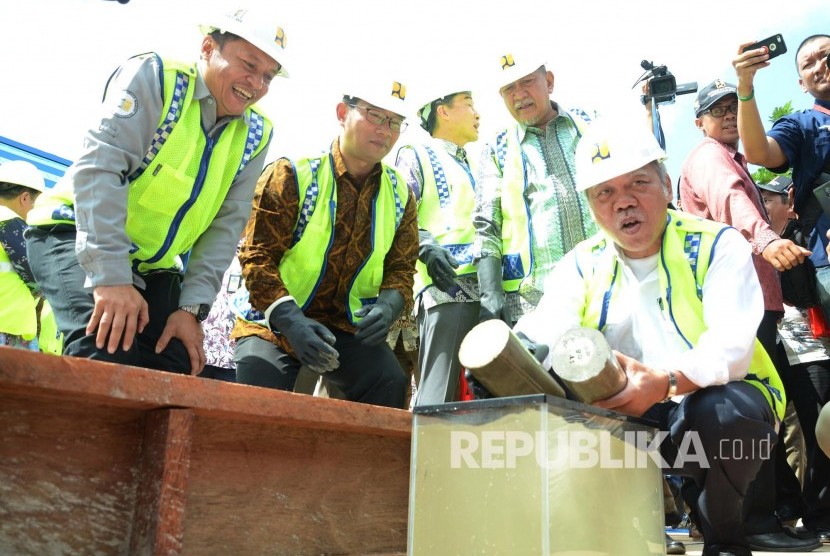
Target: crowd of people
(322, 265)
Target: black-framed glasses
(720, 111)
(379, 118)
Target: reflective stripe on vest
(185, 175)
(517, 232)
(688, 246)
(445, 209)
(17, 305)
(303, 265)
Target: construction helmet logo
(398, 90)
(600, 152)
(239, 15)
(507, 61)
(279, 38)
(719, 84)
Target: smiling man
(131, 245)
(528, 213)
(678, 300)
(329, 257)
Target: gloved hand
(312, 342)
(539, 351)
(378, 318)
(440, 266)
(492, 291)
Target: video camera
(661, 85)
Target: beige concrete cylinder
(584, 361)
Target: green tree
(762, 175)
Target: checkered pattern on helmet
(393, 177)
(166, 128)
(309, 202)
(691, 246)
(440, 178)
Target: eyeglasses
(720, 111)
(379, 118)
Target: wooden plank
(158, 524)
(37, 374)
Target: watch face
(204, 311)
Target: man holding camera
(800, 141)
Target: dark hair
(13, 190)
(432, 119)
(804, 43)
(222, 38)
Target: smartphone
(822, 193)
(775, 46)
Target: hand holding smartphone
(775, 46)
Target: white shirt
(733, 306)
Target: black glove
(492, 291)
(539, 351)
(312, 342)
(440, 266)
(379, 317)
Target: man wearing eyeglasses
(329, 259)
(715, 184)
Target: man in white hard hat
(678, 300)
(329, 258)
(131, 245)
(446, 286)
(26, 321)
(528, 213)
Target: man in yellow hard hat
(131, 245)
(678, 300)
(328, 258)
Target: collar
(822, 106)
(458, 153)
(523, 129)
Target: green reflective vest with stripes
(446, 208)
(516, 230)
(18, 307)
(183, 179)
(688, 246)
(303, 265)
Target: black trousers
(61, 278)
(734, 425)
(367, 373)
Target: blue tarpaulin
(51, 166)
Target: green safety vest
(303, 265)
(687, 249)
(516, 231)
(18, 307)
(180, 185)
(446, 209)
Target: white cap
(20, 172)
(515, 64)
(386, 94)
(611, 148)
(255, 26)
(438, 91)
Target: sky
(58, 54)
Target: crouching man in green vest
(678, 299)
(131, 245)
(329, 259)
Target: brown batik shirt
(268, 236)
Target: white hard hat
(611, 148)
(438, 91)
(386, 94)
(256, 27)
(20, 172)
(515, 64)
